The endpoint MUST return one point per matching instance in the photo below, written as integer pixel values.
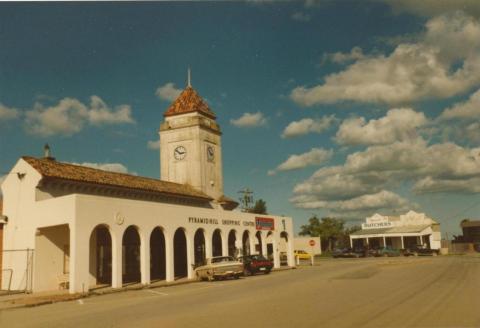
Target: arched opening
(258, 245)
(270, 244)
(283, 248)
(232, 238)
(100, 265)
(199, 247)
(131, 255)
(217, 243)
(180, 254)
(157, 255)
(246, 243)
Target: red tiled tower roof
(189, 101)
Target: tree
(260, 207)
(329, 229)
(345, 238)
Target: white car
(219, 267)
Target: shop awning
(393, 230)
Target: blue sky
(328, 108)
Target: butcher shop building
(398, 232)
(75, 227)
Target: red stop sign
(312, 243)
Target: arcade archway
(284, 260)
(180, 253)
(270, 245)
(217, 243)
(199, 246)
(246, 243)
(157, 255)
(232, 238)
(131, 255)
(100, 265)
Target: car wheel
(236, 276)
(210, 277)
(267, 271)
(246, 273)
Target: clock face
(210, 153)
(179, 153)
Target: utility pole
(246, 199)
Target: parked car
(348, 252)
(219, 267)
(417, 250)
(253, 264)
(301, 254)
(387, 251)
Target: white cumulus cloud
(168, 92)
(397, 125)
(340, 57)
(112, 167)
(467, 110)
(249, 120)
(8, 113)
(315, 156)
(308, 125)
(70, 116)
(153, 144)
(380, 169)
(434, 7)
(444, 62)
(99, 113)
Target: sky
(328, 108)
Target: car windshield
(222, 259)
(258, 258)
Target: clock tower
(190, 145)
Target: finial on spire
(189, 83)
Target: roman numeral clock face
(179, 153)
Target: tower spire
(189, 83)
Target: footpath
(19, 300)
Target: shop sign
(375, 225)
(217, 221)
(264, 223)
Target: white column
(253, 240)
(79, 266)
(116, 260)
(238, 244)
(351, 242)
(290, 259)
(190, 256)
(264, 244)
(403, 245)
(421, 240)
(208, 245)
(145, 258)
(276, 253)
(384, 242)
(224, 243)
(169, 258)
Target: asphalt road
(435, 292)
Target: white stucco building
(83, 227)
(399, 232)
